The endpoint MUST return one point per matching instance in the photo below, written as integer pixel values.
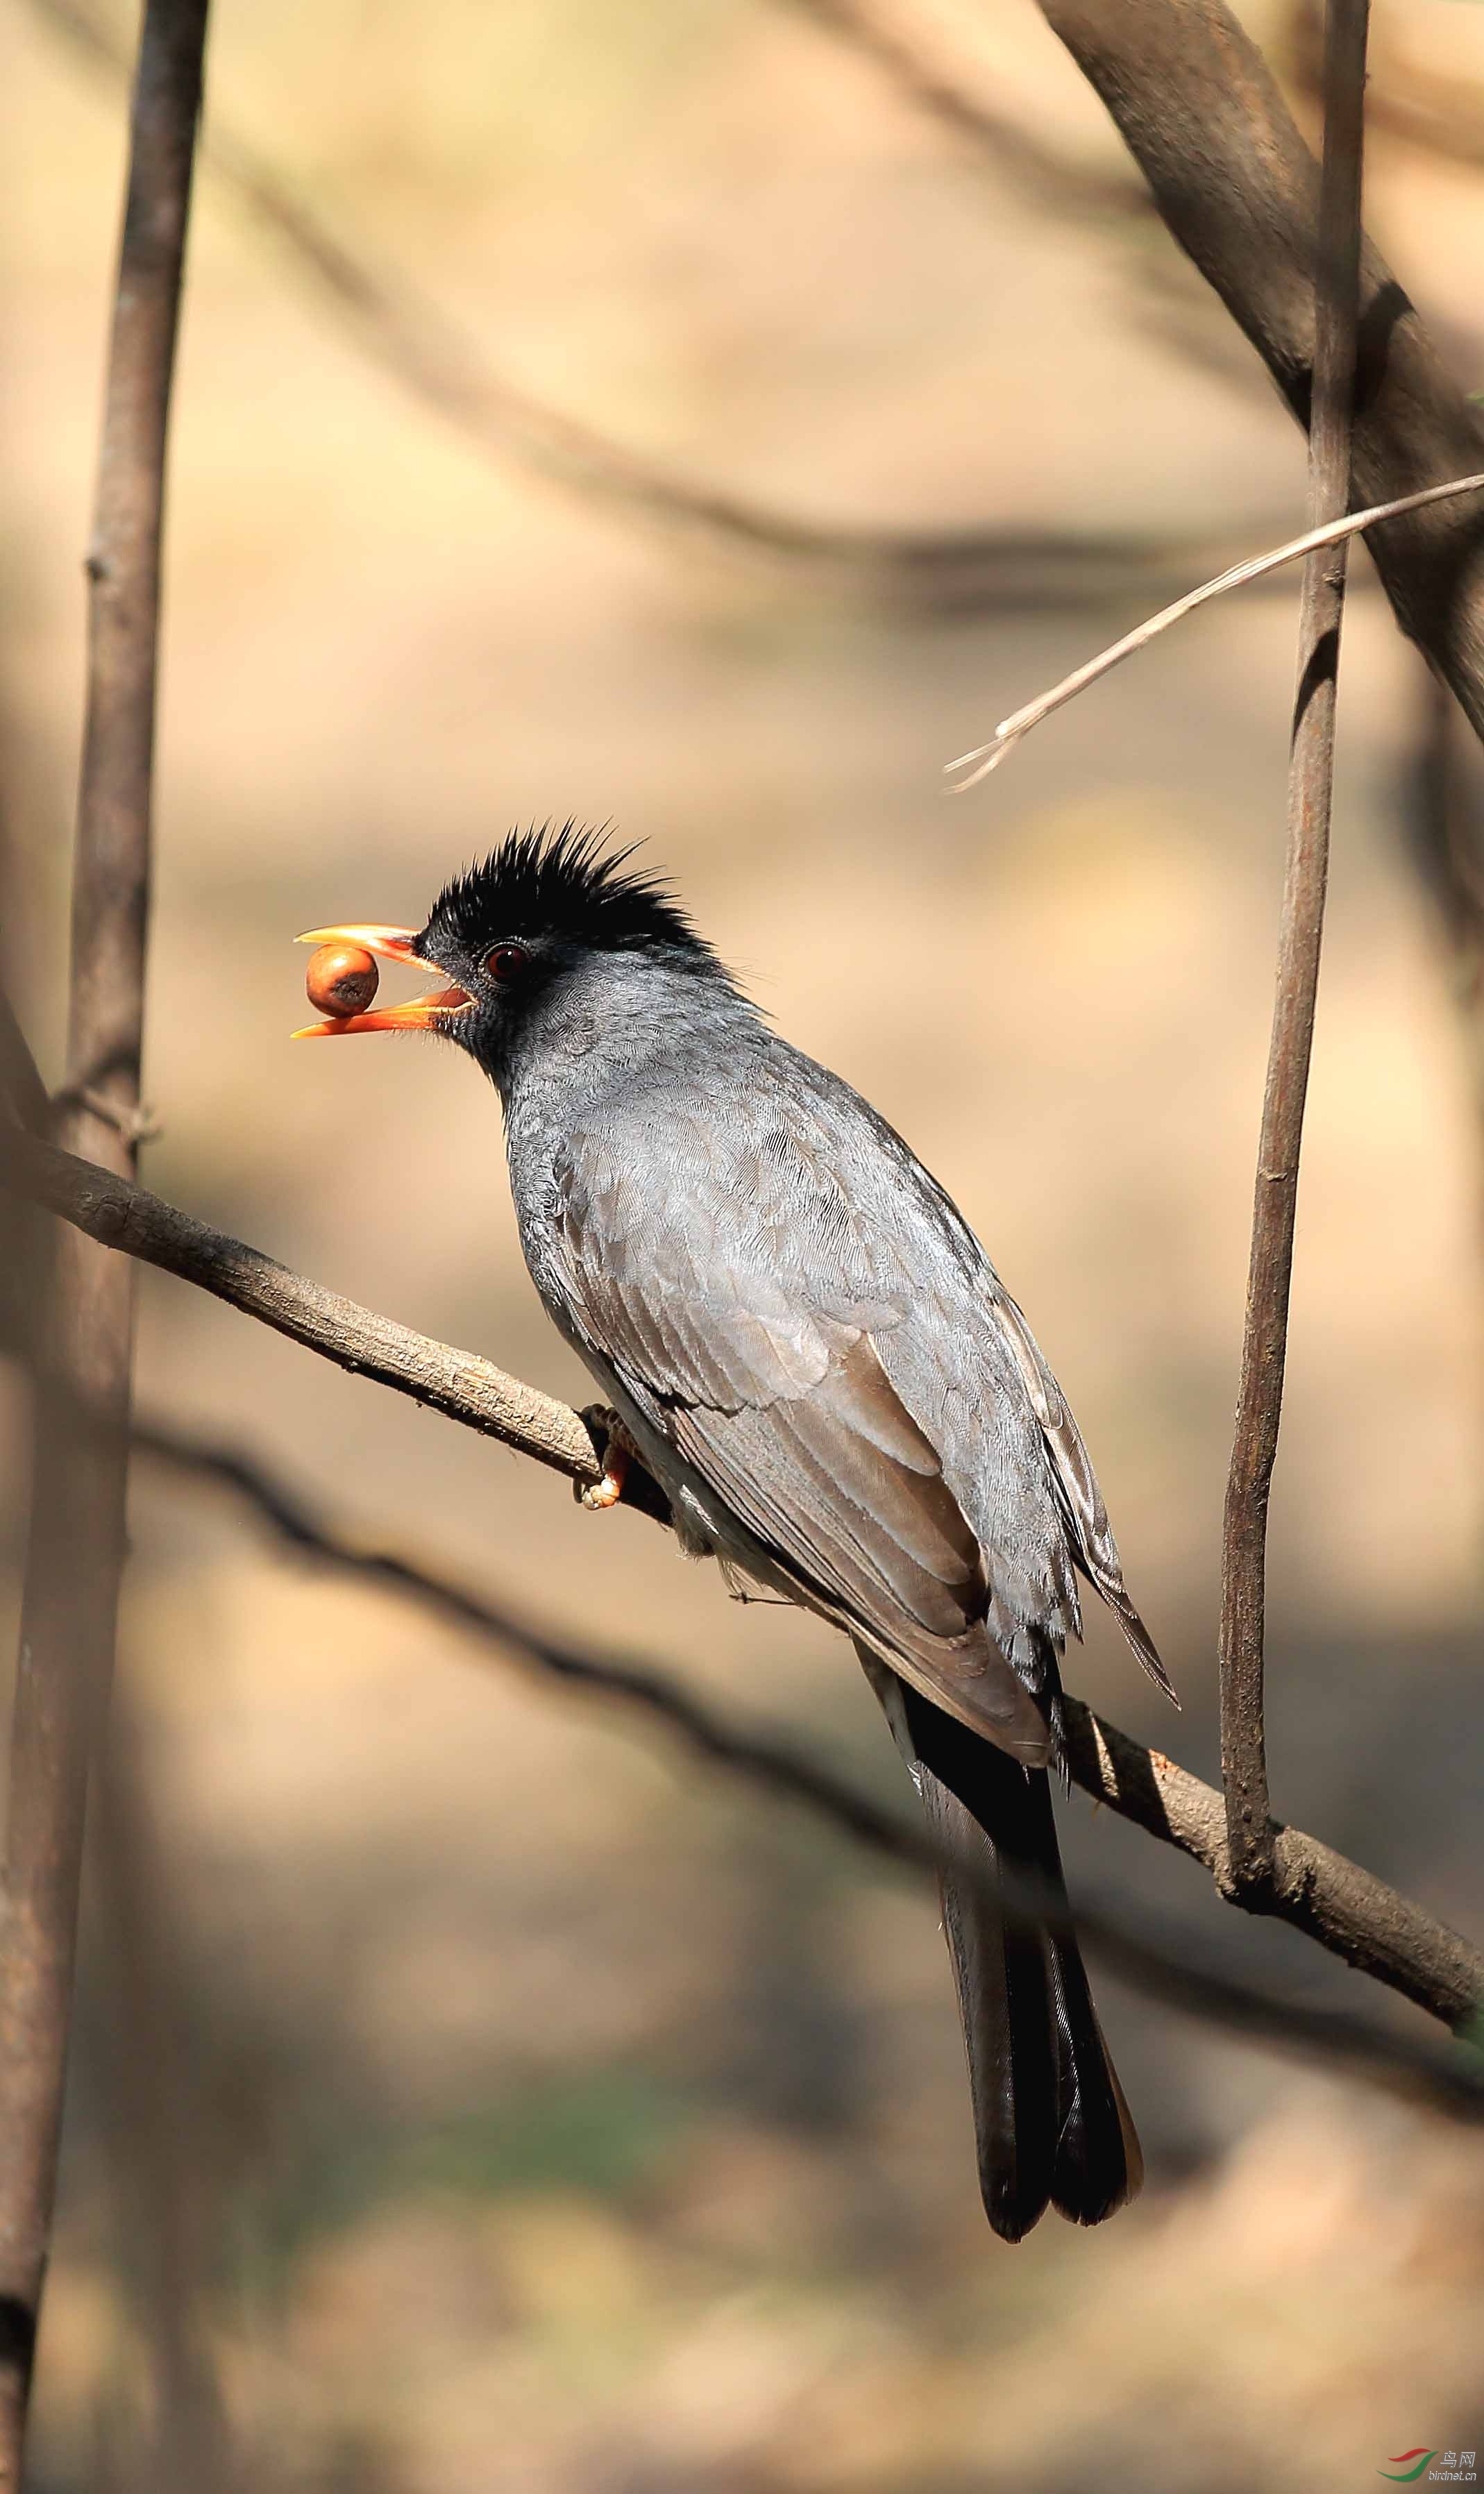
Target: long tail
(1049, 2115)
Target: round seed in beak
(341, 979)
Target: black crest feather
(568, 883)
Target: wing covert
(756, 1353)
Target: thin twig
(1305, 873)
(76, 1542)
(985, 758)
(1347, 1909)
(1164, 1970)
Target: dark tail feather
(1048, 2112)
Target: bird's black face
(515, 931)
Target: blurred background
(468, 2090)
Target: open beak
(390, 944)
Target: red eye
(506, 962)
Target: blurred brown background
(549, 2115)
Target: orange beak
(390, 944)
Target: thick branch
(1238, 189)
(1317, 1891)
(1351, 1913)
(76, 1553)
(1311, 784)
(456, 1383)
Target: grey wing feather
(775, 1393)
(1075, 1486)
(847, 1377)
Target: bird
(800, 1337)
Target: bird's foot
(619, 1453)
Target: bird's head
(553, 928)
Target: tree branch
(75, 1552)
(1311, 784)
(1349, 1911)
(456, 1383)
(1201, 112)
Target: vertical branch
(76, 1541)
(1310, 776)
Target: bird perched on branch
(808, 1349)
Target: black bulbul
(812, 1353)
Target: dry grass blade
(985, 758)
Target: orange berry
(341, 980)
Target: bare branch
(1311, 785)
(1202, 116)
(456, 1383)
(1349, 1911)
(1160, 1970)
(985, 758)
(76, 1553)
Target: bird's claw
(618, 1453)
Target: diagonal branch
(1347, 1909)
(1311, 787)
(76, 1553)
(456, 1383)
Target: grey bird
(811, 1353)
